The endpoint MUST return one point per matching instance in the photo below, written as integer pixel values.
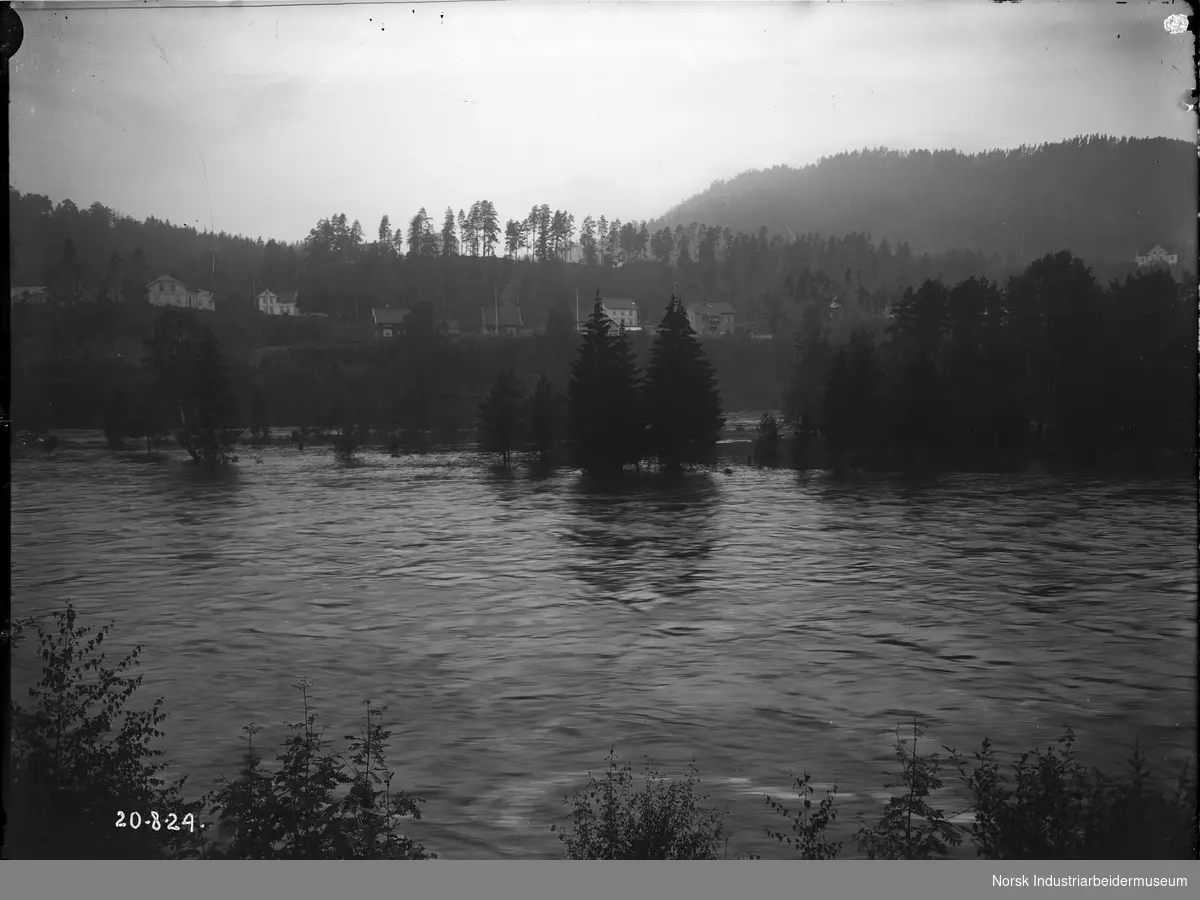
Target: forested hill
(1099, 196)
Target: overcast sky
(260, 120)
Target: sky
(260, 120)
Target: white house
(1157, 256)
(621, 312)
(711, 318)
(168, 291)
(281, 304)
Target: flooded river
(764, 622)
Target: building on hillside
(1157, 256)
(35, 294)
(835, 310)
(389, 323)
(504, 321)
(277, 304)
(622, 312)
(168, 291)
(711, 319)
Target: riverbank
(738, 445)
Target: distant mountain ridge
(1101, 197)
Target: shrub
(80, 758)
(808, 826)
(663, 820)
(301, 810)
(897, 835)
(1058, 809)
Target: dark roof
(166, 278)
(389, 316)
(720, 308)
(616, 303)
(510, 317)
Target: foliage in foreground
(1052, 807)
(610, 819)
(303, 809)
(79, 756)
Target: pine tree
(489, 227)
(683, 403)
(512, 239)
(502, 416)
(449, 239)
(587, 241)
(605, 419)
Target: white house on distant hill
(1157, 256)
(622, 312)
(273, 304)
(709, 319)
(168, 291)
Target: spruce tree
(605, 409)
(682, 400)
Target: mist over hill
(1099, 196)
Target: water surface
(764, 622)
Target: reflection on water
(516, 626)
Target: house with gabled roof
(389, 323)
(502, 320)
(169, 291)
(277, 304)
(1157, 256)
(708, 319)
(621, 311)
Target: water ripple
(764, 623)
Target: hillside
(1098, 196)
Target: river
(763, 622)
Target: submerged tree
(606, 422)
(545, 420)
(117, 419)
(682, 400)
(192, 382)
(501, 416)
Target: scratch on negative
(162, 53)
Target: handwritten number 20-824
(135, 821)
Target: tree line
(972, 375)
(1050, 366)
(339, 273)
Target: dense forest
(765, 241)
(1051, 367)
(1105, 198)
